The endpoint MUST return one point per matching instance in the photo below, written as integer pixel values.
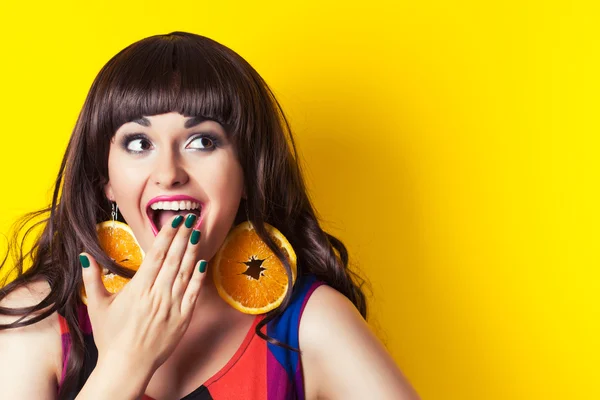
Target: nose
(168, 171)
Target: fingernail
(195, 237)
(85, 262)
(177, 221)
(189, 221)
(202, 266)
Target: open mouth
(161, 213)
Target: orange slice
(119, 243)
(247, 274)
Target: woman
(181, 115)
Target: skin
(345, 361)
(168, 330)
(172, 160)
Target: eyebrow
(190, 123)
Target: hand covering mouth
(162, 212)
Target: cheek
(125, 174)
(231, 184)
(126, 181)
(223, 179)
(224, 189)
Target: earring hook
(114, 213)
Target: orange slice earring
(119, 243)
(247, 274)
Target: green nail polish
(85, 262)
(202, 266)
(189, 221)
(195, 237)
(177, 221)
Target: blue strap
(285, 327)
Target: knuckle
(161, 255)
(166, 314)
(161, 314)
(182, 276)
(169, 262)
(157, 307)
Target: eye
(205, 142)
(138, 145)
(135, 143)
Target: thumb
(92, 281)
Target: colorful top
(258, 369)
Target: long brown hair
(195, 76)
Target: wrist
(134, 373)
(117, 376)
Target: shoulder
(33, 351)
(326, 312)
(330, 307)
(341, 356)
(26, 296)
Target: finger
(193, 290)
(171, 266)
(157, 255)
(92, 280)
(186, 269)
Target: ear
(108, 192)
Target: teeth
(175, 205)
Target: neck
(210, 304)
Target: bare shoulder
(24, 296)
(341, 357)
(33, 352)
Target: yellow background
(451, 145)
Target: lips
(153, 215)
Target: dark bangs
(179, 72)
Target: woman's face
(180, 160)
